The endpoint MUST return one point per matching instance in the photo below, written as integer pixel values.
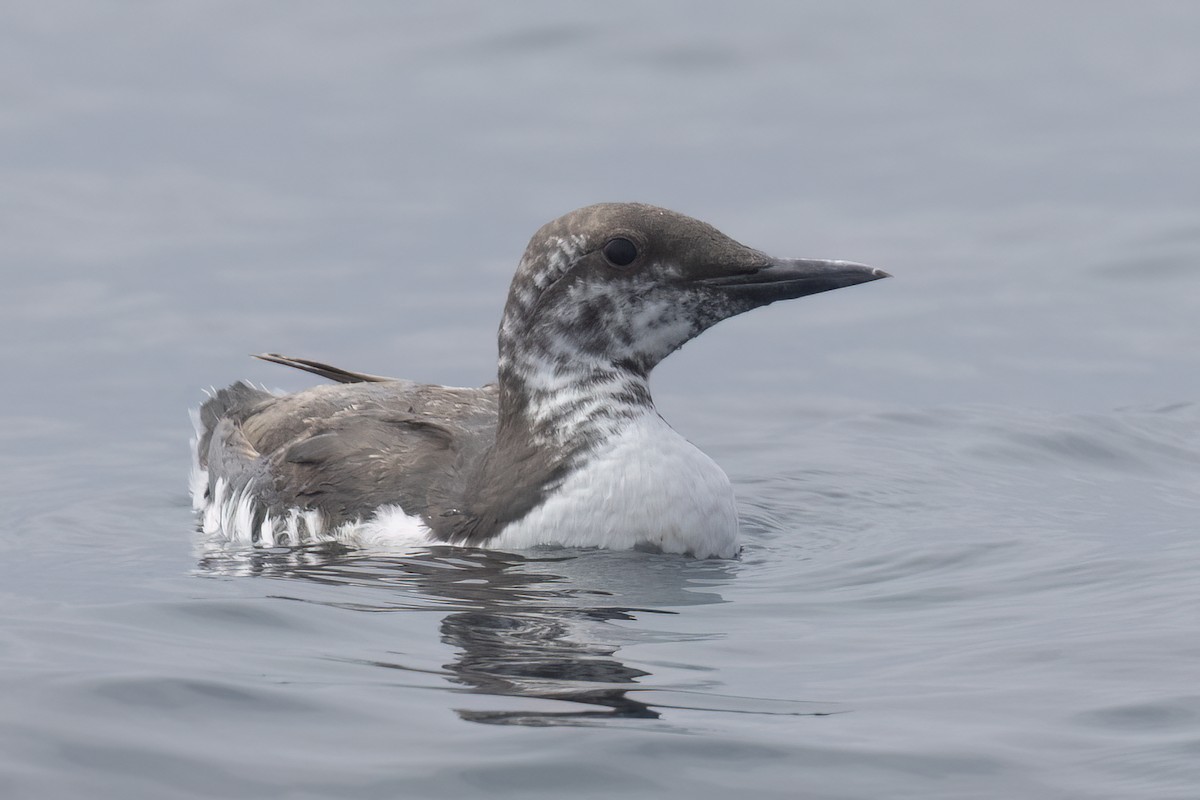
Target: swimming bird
(565, 448)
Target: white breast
(646, 486)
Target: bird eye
(620, 252)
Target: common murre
(566, 448)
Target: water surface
(969, 494)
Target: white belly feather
(646, 486)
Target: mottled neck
(571, 369)
(568, 397)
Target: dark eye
(620, 252)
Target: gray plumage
(579, 336)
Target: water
(969, 494)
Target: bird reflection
(531, 656)
(522, 626)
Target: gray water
(969, 494)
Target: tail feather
(228, 474)
(232, 402)
(324, 370)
